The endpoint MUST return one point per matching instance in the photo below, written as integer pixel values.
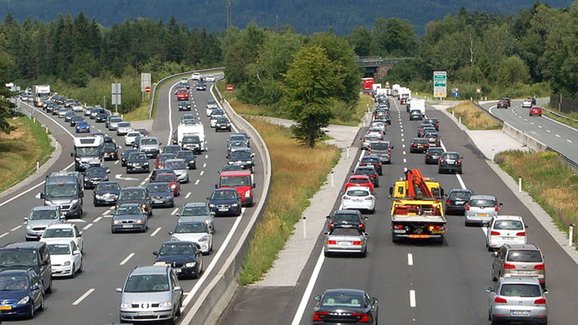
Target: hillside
(305, 16)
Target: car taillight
(509, 266)
(467, 206)
(357, 243)
(448, 201)
(426, 145)
(331, 242)
(361, 318)
(540, 301)
(500, 300)
(494, 233)
(442, 161)
(497, 208)
(521, 233)
(459, 162)
(539, 266)
(414, 144)
(398, 227)
(319, 315)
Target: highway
(418, 282)
(552, 133)
(90, 298)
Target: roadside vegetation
(550, 183)
(297, 174)
(569, 119)
(21, 149)
(474, 118)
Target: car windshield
(357, 193)
(520, 290)
(186, 154)
(237, 138)
(59, 249)
(358, 180)
(158, 187)
(177, 164)
(194, 211)
(108, 187)
(528, 256)
(240, 155)
(370, 160)
(435, 151)
(43, 215)
(110, 146)
(132, 195)
(453, 156)
(95, 171)
(222, 120)
(147, 283)
(420, 141)
(177, 249)
(235, 180)
(224, 195)
(191, 227)
(341, 299)
(133, 134)
(87, 151)
(171, 149)
(191, 139)
(137, 156)
(166, 178)
(148, 141)
(129, 210)
(18, 257)
(344, 232)
(508, 225)
(123, 124)
(57, 233)
(482, 203)
(61, 190)
(379, 146)
(13, 283)
(165, 156)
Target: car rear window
(528, 256)
(480, 203)
(357, 193)
(346, 217)
(508, 225)
(345, 232)
(342, 300)
(460, 195)
(520, 290)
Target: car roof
(452, 153)
(14, 271)
(129, 204)
(28, 244)
(502, 217)
(150, 269)
(346, 212)
(523, 247)
(348, 291)
(482, 197)
(519, 280)
(359, 188)
(195, 204)
(133, 188)
(461, 190)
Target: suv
(151, 293)
(517, 299)
(481, 209)
(29, 255)
(506, 230)
(41, 217)
(519, 261)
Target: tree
(6, 108)
(513, 70)
(309, 85)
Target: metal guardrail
(160, 82)
(560, 115)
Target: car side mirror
(500, 205)
(81, 194)
(118, 289)
(72, 154)
(177, 289)
(526, 226)
(25, 218)
(76, 252)
(155, 253)
(494, 254)
(170, 233)
(79, 234)
(545, 291)
(216, 186)
(391, 191)
(489, 289)
(317, 298)
(375, 300)
(364, 218)
(325, 233)
(328, 217)
(254, 185)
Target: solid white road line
(308, 290)
(123, 262)
(87, 226)
(156, 231)
(86, 294)
(410, 259)
(174, 211)
(412, 302)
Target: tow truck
(417, 208)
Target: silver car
(41, 217)
(345, 241)
(198, 211)
(519, 261)
(180, 167)
(151, 293)
(122, 128)
(194, 231)
(517, 299)
(506, 230)
(480, 209)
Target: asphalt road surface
(90, 298)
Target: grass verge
(550, 183)
(474, 118)
(297, 174)
(568, 121)
(21, 149)
(138, 114)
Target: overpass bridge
(376, 66)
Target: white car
(210, 78)
(77, 107)
(506, 230)
(130, 138)
(123, 128)
(196, 76)
(66, 258)
(527, 103)
(63, 231)
(194, 231)
(210, 108)
(358, 198)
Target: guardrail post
(332, 179)
(519, 183)
(493, 154)
(37, 165)
(304, 227)
(460, 119)
(571, 235)
(348, 152)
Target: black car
(345, 306)
(138, 195)
(189, 158)
(106, 193)
(161, 195)
(223, 123)
(201, 85)
(125, 154)
(68, 116)
(415, 115)
(419, 145)
(94, 175)
(432, 155)
(137, 162)
(435, 122)
(110, 151)
(457, 199)
(184, 257)
(243, 158)
(75, 119)
(225, 201)
(239, 140)
(106, 137)
(129, 217)
(450, 162)
(172, 148)
(184, 105)
(101, 117)
(192, 142)
(346, 219)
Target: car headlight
(28, 227)
(204, 238)
(67, 263)
(139, 221)
(77, 159)
(23, 301)
(192, 264)
(125, 305)
(211, 205)
(74, 202)
(100, 197)
(116, 222)
(166, 304)
(235, 205)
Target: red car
(359, 180)
(536, 110)
(160, 161)
(183, 95)
(173, 181)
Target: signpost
(147, 89)
(116, 97)
(145, 82)
(440, 81)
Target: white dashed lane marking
(123, 262)
(86, 294)
(156, 231)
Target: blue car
(21, 293)
(82, 127)
(225, 201)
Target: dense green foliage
(307, 16)
(6, 109)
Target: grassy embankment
(21, 149)
(571, 120)
(474, 118)
(297, 174)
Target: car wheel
(466, 223)
(73, 271)
(80, 268)
(49, 289)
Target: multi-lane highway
(90, 298)
(552, 133)
(419, 282)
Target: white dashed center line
(97, 219)
(188, 195)
(197, 182)
(123, 262)
(156, 231)
(174, 211)
(410, 259)
(87, 226)
(86, 294)
(412, 302)
(557, 135)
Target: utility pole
(229, 14)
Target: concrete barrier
(529, 141)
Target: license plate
(146, 313)
(357, 200)
(108, 199)
(5, 307)
(223, 209)
(450, 161)
(127, 226)
(158, 201)
(482, 215)
(525, 272)
(520, 312)
(344, 243)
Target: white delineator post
(570, 235)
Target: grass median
(550, 183)
(21, 149)
(474, 118)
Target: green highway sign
(440, 81)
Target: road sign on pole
(440, 81)
(116, 95)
